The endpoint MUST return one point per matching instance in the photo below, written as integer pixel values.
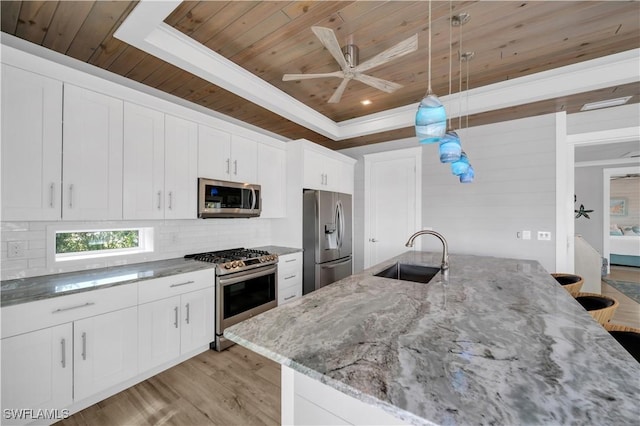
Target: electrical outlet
(15, 249)
(544, 235)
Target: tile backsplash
(173, 238)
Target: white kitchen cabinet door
(320, 171)
(144, 156)
(244, 159)
(31, 145)
(92, 161)
(197, 312)
(181, 168)
(159, 332)
(214, 153)
(37, 369)
(105, 351)
(272, 179)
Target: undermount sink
(407, 272)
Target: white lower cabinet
(37, 369)
(105, 351)
(174, 326)
(289, 277)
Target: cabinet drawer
(174, 285)
(289, 294)
(25, 317)
(289, 263)
(290, 279)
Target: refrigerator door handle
(339, 222)
(335, 265)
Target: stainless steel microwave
(217, 198)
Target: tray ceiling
(268, 39)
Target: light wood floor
(239, 387)
(233, 387)
(628, 312)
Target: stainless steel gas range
(246, 285)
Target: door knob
(373, 240)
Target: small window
(87, 244)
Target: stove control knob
(234, 264)
(240, 263)
(227, 265)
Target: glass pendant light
(461, 166)
(467, 177)
(431, 118)
(450, 148)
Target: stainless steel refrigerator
(326, 238)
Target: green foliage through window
(78, 242)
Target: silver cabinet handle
(170, 200)
(51, 190)
(289, 277)
(290, 297)
(159, 200)
(175, 322)
(181, 284)
(64, 353)
(73, 307)
(326, 179)
(290, 260)
(235, 167)
(84, 346)
(228, 165)
(71, 196)
(187, 308)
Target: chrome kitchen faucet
(445, 250)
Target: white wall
(514, 191)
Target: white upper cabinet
(272, 166)
(143, 163)
(92, 161)
(244, 159)
(225, 156)
(326, 173)
(160, 165)
(31, 146)
(181, 168)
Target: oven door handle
(244, 276)
(335, 265)
(253, 198)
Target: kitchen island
(497, 342)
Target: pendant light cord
(450, 39)
(429, 71)
(460, 82)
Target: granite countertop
(280, 251)
(23, 290)
(499, 342)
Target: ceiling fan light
(431, 120)
(461, 166)
(450, 148)
(366, 102)
(468, 176)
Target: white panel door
(214, 153)
(105, 351)
(393, 204)
(197, 312)
(181, 168)
(159, 332)
(143, 186)
(92, 161)
(244, 160)
(31, 145)
(272, 172)
(37, 369)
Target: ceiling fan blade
(378, 83)
(328, 39)
(289, 77)
(335, 98)
(404, 47)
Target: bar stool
(628, 337)
(570, 282)
(599, 306)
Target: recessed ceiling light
(605, 104)
(366, 102)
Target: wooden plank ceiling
(270, 38)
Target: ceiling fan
(347, 58)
